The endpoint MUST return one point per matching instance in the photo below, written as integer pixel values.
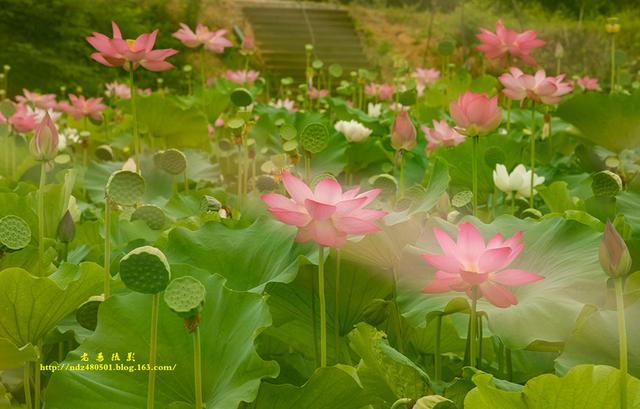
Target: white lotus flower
(354, 131)
(374, 109)
(518, 181)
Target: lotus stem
(323, 310)
(533, 151)
(622, 335)
(316, 356)
(27, 385)
(401, 174)
(473, 323)
(474, 159)
(37, 383)
(43, 179)
(307, 167)
(437, 357)
(513, 203)
(509, 363)
(337, 311)
(197, 368)
(480, 335)
(240, 178)
(508, 115)
(203, 75)
(107, 248)
(186, 182)
(396, 308)
(134, 112)
(153, 349)
(613, 63)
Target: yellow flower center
(131, 44)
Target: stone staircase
(283, 28)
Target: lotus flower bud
(66, 228)
(44, 144)
(403, 133)
(559, 51)
(612, 26)
(614, 254)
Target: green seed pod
(241, 97)
(66, 228)
(145, 270)
(210, 204)
(185, 296)
(266, 183)
(376, 312)
(606, 184)
(171, 161)
(461, 199)
(288, 132)
(87, 313)
(104, 153)
(152, 215)
(15, 233)
(314, 137)
(125, 187)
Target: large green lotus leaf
(231, 369)
(385, 372)
(291, 305)
(564, 252)
(13, 357)
(329, 388)
(628, 203)
(199, 167)
(584, 387)
(611, 121)
(165, 119)
(595, 340)
(249, 258)
(32, 306)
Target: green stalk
(337, 310)
(316, 355)
(197, 368)
(437, 357)
(12, 149)
(323, 310)
(396, 308)
(37, 384)
(401, 174)
(533, 150)
(508, 114)
(474, 158)
(27, 385)
(479, 340)
(134, 112)
(186, 182)
(473, 323)
(513, 203)
(153, 349)
(43, 179)
(622, 335)
(107, 248)
(307, 167)
(613, 63)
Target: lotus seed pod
(125, 188)
(171, 161)
(434, 402)
(145, 270)
(104, 153)
(152, 215)
(241, 97)
(210, 204)
(606, 184)
(66, 228)
(15, 233)
(288, 132)
(384, 181)
(87, 313)
(266, 183)
(314, 137)
(461, 199)
(185, 296)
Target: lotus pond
(465, 235)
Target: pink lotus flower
(441, 135)
(425, 77)
(39, 114)
(469, 263)
(44, 145)
(191, 39)
(475, 114)
(589, 84)
(242, 76)
(81, 107)
(508, 42)
(325, 215)
(248, 46)
(315, 93)
(538, 87)
(116, 89)
(218, 42)
(403, 133)
(288, 104)
(383, 92)
(22, 120)
(43, 101)
(129, 54)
